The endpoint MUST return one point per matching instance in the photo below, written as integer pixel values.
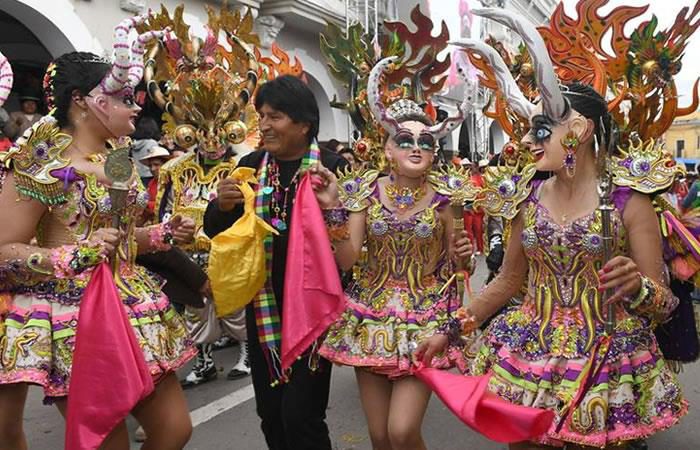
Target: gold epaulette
(34, 157)
(355, 187)
(165, 173)
(645, 167)
(505, 187)
(454, 182)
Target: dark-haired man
(292, 407)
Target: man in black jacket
(293, 413)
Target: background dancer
(199, 118)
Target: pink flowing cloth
(109, 375)
(469, 399)
(313, 295)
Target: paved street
(224, 417)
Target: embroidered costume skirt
(634, 395)
(380, 329)
(38, 329)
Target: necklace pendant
(279, 224)
(267, 190)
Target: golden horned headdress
(389, 79)
(205, 85)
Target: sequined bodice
(408, 248)
(86, 209)
(562, 278)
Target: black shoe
(236, 374)
(197, 377)
(640, 444)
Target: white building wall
(68, 25)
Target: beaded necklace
(280, 194)
(403, 198)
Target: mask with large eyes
(235, 131)
(185, 136)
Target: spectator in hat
(20, 121)
(155, 157)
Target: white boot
(242, 367)
(140, 435)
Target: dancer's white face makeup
(411, 150)
(118, 113)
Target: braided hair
(76, 70)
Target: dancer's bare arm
(508, 282)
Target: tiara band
(403, 108)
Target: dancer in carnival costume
(55, 189)
(601, 372)
(399, 297)
(206, 108)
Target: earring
(570, 143)
(83, 115)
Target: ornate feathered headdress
(205, 85)
(636, 78)
(390, 79)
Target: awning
(690, 163)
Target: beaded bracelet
(643, 293)
(160, 237)
(336, 220)
(452, 328)
(467, 321)
(650, 299)
(71, 260)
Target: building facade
(33, 32)
(682, 140)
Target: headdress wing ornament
(506, 84)
(278, 64)
(6, 79)
(416, 74)
(554, 103)
(637, 70)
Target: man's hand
(228, 194)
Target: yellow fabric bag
(237, 256)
